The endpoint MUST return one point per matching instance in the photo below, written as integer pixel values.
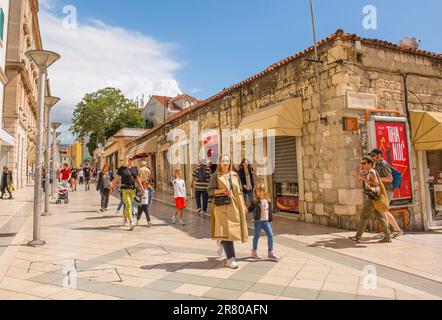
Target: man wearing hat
(384, 170)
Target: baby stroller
(63, 192)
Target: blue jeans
(150, 196)
(248, 194)
(205, 195)
(260, 225)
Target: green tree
(103, 113)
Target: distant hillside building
(159, 106)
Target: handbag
(371, 195)
(223, 201)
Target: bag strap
(131, 177)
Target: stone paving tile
(267, 289)
(306, 284)
(257, 296)
(275, 280)
(235, 285)
(191, 289)
(301, 293)
(340, 287)
(164, 285)
(245, 277)
(326, 295)
(223, 294)
(362, 297)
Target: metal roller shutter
(286, 168)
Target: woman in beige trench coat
(228, 223)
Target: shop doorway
(285, 177)
(434, 188)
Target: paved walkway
(96, 257)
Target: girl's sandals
(355, 239)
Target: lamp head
(51, 101)
(42, 58)
(55, 125)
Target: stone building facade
(325, 155)
(20, 102)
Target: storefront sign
(287, 204)
(391, 138)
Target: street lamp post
(43, 60)
(49, 102)
(55, 126)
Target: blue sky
(223, 42)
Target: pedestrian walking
(144, 206)
(81, 176)
(65, 174)
(74, 179)
(144, 172)
(385, 171)
(376, 201)
(228, 212)
(103, 186)
(7, 183)
(247, 181)
(180, 195)
(262, 210)
(200, 182)
(87, 177)
(129, 183)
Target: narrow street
(90, 255)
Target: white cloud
(96, 55)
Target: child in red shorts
(180, 194)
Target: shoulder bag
(224, 200)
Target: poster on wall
(392, 139)
(211, 146)
(438, 197)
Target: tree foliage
(103, 113)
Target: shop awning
(427, 130)
(142, 150)
(285, 118)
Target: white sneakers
(182, 223)
(149, 224)
(231, 263)
(220, 250)
(173, 220)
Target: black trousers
(229, 248)
(105, 198)
(4, 189)
(144, 208)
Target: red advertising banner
(391, 139)
(287, 204)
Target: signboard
(287, 204)
(392, 140)
(356, 100)
(211, 146)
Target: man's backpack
(201, 175)
(397, 178)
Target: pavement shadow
(339, 243)
(106, 228)
(211, 263)
(101, 218)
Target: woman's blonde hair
(220, 169)
(261, 187)
(106, 166)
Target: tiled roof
(183, 96)
(163, 99)
(338, 34)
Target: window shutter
(2, 23)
